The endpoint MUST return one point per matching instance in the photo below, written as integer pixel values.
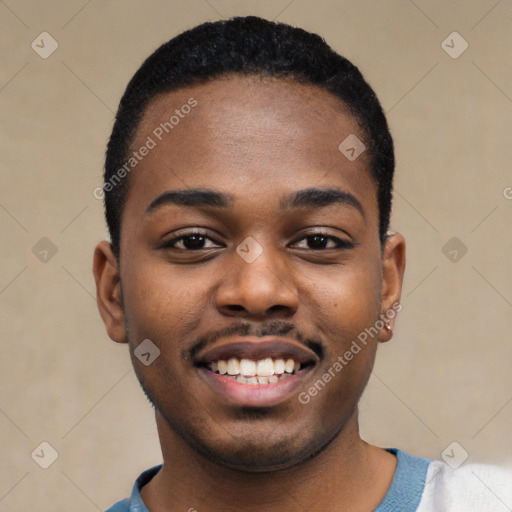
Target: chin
(253, 448)
(252, 457)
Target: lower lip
(255, 395)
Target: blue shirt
(404, 494)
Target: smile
(256, 372)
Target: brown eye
(319, 242)
(192, 242)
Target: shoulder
(134, 503)
(470, 488)
(406, 489)
(120, 506)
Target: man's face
(277, 259)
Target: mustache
(271, 328)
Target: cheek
(346, 311)
(160, 300)
(346, 300)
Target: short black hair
(250, 46)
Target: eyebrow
(192, 197)
(306, 198)
(320, 198)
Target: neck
(348, 475)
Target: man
(248, 187)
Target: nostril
(236, 307)
(278, 308)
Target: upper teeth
(250, 368)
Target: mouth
(253, 372)
(256, 372)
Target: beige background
(446, 375)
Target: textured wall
(446, 375)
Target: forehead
(252, 136)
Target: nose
(261, 289)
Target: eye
(319, 241)
(192, 242)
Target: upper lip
(256, 349)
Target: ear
(393, 268)
(108, 291)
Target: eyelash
(171, 243)
(340, 244)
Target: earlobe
(108, 291)
(393, 268)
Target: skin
(257, 140)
